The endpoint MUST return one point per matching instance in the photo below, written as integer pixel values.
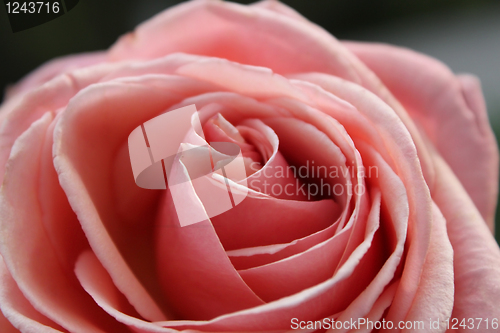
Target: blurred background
(464, 34)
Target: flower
(390, 219)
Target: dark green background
(96, 24)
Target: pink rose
(86, 250)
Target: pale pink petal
(255, 36)
(258, 222)
(311, 267)
(322, 153)
(53, 68)
(19, 311)
(167, 64)
(338, 292)
(317, 302)
(251, 81)
(273, 221)
(245, 258)
(86, 146)
(97, 282)
(60, 222)
(26, 249)
(185, 252)
(19, 112)
(450, 110)
(247, 35)
(272, 178)
(393, 196)
(400, 145)
(376, 312)
(233, 107)
(279, 7)
(220, 130)
(434, 299)
(389, 135)
(476, 253)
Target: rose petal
(403, 156)
(247, 35)
(318, 153)
(184, 252)
(376, 312)
(18, 113)
(434, 299)
(258, 222)
(24, 244)
(261, 255)
(85, 144)
(332, 294)
(59, 221)
(311, 267)
(451, 111)
(19, 311)
(394, 219)
(97, 282)
(251, 81)
(318, 148)
(259, 37)
(336, 293)
(279, 7)
(54, 68)
(272, 179)
(476, 253)
(233, 107)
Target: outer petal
(26, 248)
(85, 169)
(53, 68)
(19, 311)
(280, 8)
(476, 253)
(19, 112)
(451, 111)
(248, 35)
